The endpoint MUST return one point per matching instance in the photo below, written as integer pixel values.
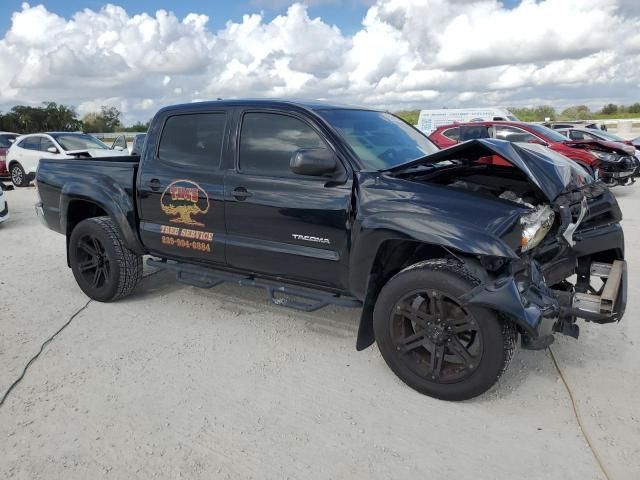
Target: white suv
(27, 150)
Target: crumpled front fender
(523, 296)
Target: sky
(395, 54)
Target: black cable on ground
(35, 357)
(47, 342)
(577, 415)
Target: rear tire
(434, 344)
(18, 175)
(104, 268)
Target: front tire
(431, 341)
(104, 268)
(18, 175)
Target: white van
(429, 120)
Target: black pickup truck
(451, 254)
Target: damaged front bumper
(621, 172)
(539, 311)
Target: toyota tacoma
(451, 255)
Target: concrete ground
(177, 382)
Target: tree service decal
(183, 200)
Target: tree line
(63, 118)
(542, 112)
(577, 112)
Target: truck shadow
(332, 322)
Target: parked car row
(20, 154)
(613, 160)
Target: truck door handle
(241, 193)
(154, 184)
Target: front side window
(512, 134)
(579, 135)
(121, 142)
(193, 139)
(379, 139)
(268, 140)
(46, 144)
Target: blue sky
(411, 54)
(347, 15)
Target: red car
(614, 163)
(6, 139)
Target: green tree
(577, 112)
(545, 111)
(409, 116)
(138, 127)
(105, 121)
(49, 117)
(609, 109)
(634, 108)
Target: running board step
(284, 295)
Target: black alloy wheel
(103, 266)
(432, 341)
(93, 262)
(435, 336)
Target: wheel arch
(77, 204)
(392, 256)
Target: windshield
(78, 141)
(547, 133)
(7, 140)
(607, 136)
(379, 139)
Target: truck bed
(61, 181)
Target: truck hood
(551, 172)
(96, 152)
(617, 147)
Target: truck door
(280, 223)
(180, 188)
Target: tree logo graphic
(184, 199)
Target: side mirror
(537, 141)
(52, 150)
(313, 161)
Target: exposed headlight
(535, 226)
(607, 157)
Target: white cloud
(407, 53)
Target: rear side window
(268, 140)
(30, 143)
(473, 132)
(194, 139)
(452, 134)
